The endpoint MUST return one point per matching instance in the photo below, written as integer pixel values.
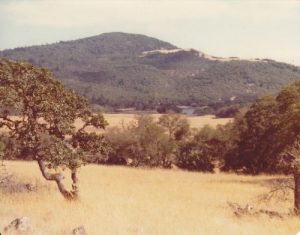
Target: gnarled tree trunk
(297, 188)
(58, 178)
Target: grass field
(120, 119)
(195, 121)
(117, 120)
(118, 200)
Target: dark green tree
(286, 140)
(256, 129)
(38, 113)
(270, 139)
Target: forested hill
(125, 70)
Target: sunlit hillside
(118, 200)
(134, 70)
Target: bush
(145, 142)
(206, 149)
(141, 143)
(176, 126)
(194, 159)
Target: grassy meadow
(120, 119)
(195, 121)
(119, 200)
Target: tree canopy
(38, 114)
(269, 134)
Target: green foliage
(111, 70)
(255, 139)
(194, 159)
(195, 154)
(176, 125)
(206, 149)
(44, 114)
(269, 139)
(164, 143)
(142, 143)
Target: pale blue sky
(245, 28)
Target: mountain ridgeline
(128, 70)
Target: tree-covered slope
(124, 70)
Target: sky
(243, 28)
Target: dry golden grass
(195, 121)
(120, 119)
(117, 200)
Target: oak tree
(38, 114)
(270, 139)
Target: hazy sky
(244, 28)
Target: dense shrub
(141, 143)
(205, 149)
(163, 143)
(193, 157)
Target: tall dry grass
(117, 200)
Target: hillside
(128, 70)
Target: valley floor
(118, 200)
(195, 121)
